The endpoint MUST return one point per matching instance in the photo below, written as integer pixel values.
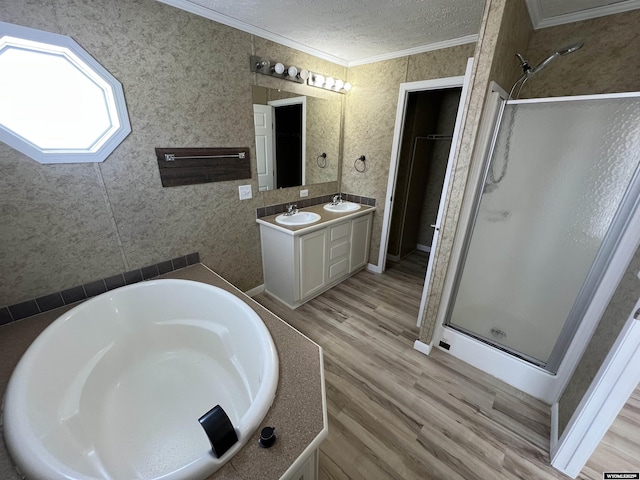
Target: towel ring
(363, 160)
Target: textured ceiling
(351, 32)
(357, 29)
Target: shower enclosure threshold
(492, 343)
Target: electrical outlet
(245, 192)
(304, 193)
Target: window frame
(115, 105)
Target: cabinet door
(360, 236)
(313, 251)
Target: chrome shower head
(570, 49)
(529, 72)
(563, 51)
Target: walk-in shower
(528, 71)
(542, 234)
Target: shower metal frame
(629, 203)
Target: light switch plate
(245, 192)
(304, 193)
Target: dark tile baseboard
(22, 310)
(309, 202)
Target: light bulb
(278, 68)
(329, 82)
(292, 71)
(347, 86)
(318, 80)
(303, 74)
(339, 85)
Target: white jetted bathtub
(114, 388)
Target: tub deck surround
(326, 218)
(298, 412)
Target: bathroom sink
(342, 207)
(297, 219)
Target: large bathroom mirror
(297, 138)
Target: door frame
(403, 95)
(294, 101)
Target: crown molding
(538, 21)
(191, 7)
(415, 50)
(196, 9)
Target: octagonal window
(57, 103)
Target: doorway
(289, 129)
(280, 133)
(449, 83)
(422, 164)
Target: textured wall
(607, 63)
(324, 124)
(505, 27)
(187, 82)
(369, 120)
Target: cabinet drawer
(339, 250)
(339, 231)
(339, 268)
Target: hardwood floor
(395, 413)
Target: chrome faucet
(337, 199)
(291, 210)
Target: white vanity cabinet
(311, 249)
(298, 265)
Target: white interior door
(263, 124)
(445, 187)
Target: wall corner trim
(422, 347)
(553, 440)
(255, 291)
(373, 268)
(616, 379)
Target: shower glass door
(558, 173)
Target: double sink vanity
(307, 252)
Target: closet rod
(438, 136)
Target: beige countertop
(298, 411)
(326, 217)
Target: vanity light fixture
(298, 75)
(278, 70)
(328, 83)
(261, 64)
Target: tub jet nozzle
(219, 429)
